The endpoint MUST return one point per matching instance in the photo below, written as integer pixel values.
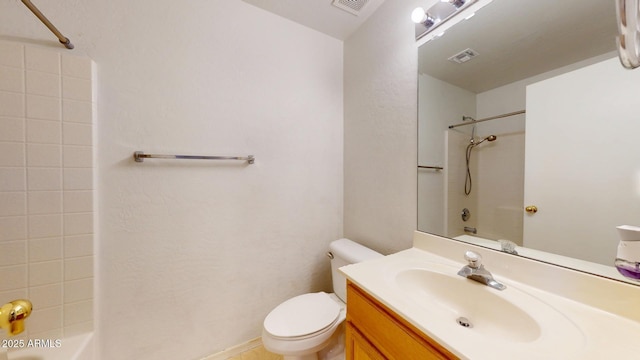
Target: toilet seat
(302, 316)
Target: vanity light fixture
(457, 3)
(428, 20)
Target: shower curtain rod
(489, 118)
(63, 40)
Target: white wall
(46, 188)
(192, 255)
(380, 88)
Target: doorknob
(531, 209)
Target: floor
(257, 353)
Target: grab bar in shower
(487, 119)
(63, 40)
(139, 156)
(431, 167)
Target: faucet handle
(508, 247)
(474, 259)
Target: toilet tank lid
(351, 251)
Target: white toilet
(304, 327)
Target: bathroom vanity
(414, 305)
(376, 332)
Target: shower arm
(63, 40)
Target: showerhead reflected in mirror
(488, 138)
(551, 89)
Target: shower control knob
(531, 209)
(466, 214)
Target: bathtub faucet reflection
(470, 230)
(13, 314)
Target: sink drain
(463, 321)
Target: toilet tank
(347, 252)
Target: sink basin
(478, 314)
(486, 311)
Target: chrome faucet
(474, 270)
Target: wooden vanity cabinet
(375, 332)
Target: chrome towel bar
(139, 156)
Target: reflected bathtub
(79, 347)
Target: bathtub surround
(46, 187)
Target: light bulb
(418, 15)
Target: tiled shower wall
(46, 187)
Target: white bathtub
(79, 347)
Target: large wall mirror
(563, 138)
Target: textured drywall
(380, 86)
(203, 251)
(192, 255)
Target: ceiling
(320, 15)
(517, 39)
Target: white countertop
(580, 316)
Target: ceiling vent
(464, 56)
(351, 6)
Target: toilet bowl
(303, 325)
(309, 326)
